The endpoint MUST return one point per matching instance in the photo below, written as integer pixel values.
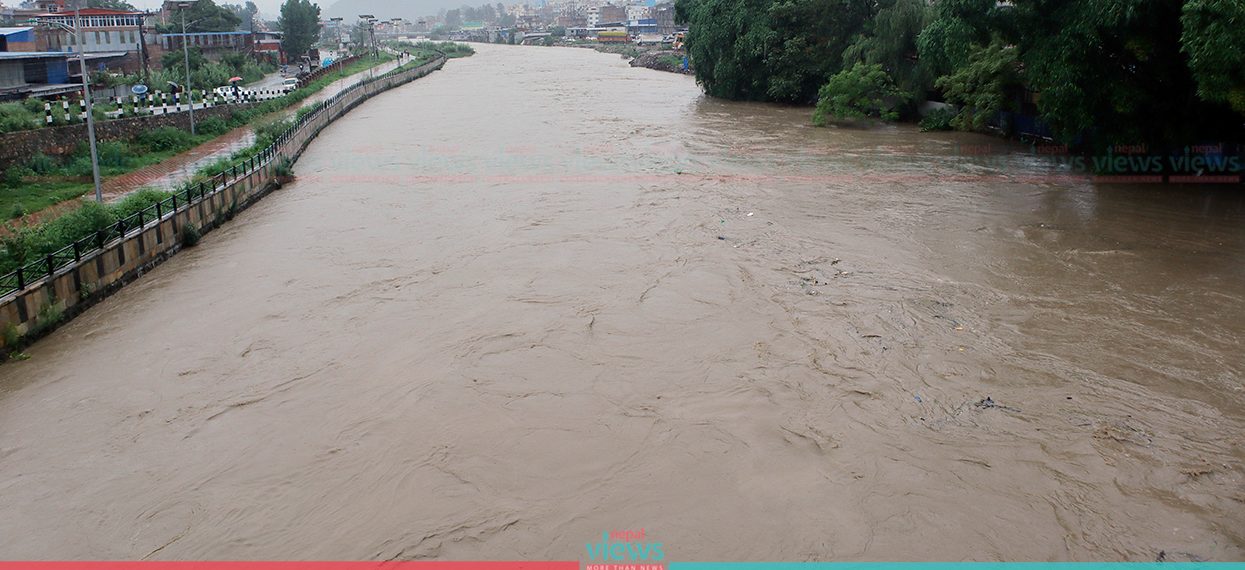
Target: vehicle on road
(289, 84)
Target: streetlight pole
(86, 91)
(90, 108)
(190, 93)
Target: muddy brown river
(540, 294)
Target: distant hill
(387, 9)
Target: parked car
(289, 84)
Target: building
(635, 13)
(46, 74)
(646, 26)
(21, 72)
(664, 15)
(124, 39)
(102, 30)
(269, 44)
(18, 39)
(46, 6)
(209, 42)
(610, 14)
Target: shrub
(18, 211)
(35, 106)
(212, 126)
(138, 201)
(16, 175)
(980, 86)
(268, 132)
(116, 154)
(856, 93)
(42, 164)
(32, 242)
(11, 336)
(284, 168)
(190, 235)
(166, 139)
(938, 120)
(15, 117)
(303, 112)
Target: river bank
(43, 188)
(650, 57)
(121, 246)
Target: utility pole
(90, 108)
(86, 91)
(142, 49)
(190, 94)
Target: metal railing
(194, 194)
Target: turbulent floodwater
(541, 294)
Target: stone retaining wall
(20, 146)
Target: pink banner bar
(233, 565)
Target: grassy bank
(44, 181)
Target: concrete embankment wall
(52, 290)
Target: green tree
(111, 5)
(300, 22)
(862, 91)
(1113, 68)
(454, 19)
(956, 29)
(202, 16)
(769, 50)
(1213, 36)
(890, 40)
(175, 59)
(246, 14)
(980, 86)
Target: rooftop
(90, 12)
(32, 54)
(179, 34)
(11, 55)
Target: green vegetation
(1160, 72)
(980, 85)
(938, 120)
(190, 235)
(206, 75)
(300, 22)
(428, 49)
(43, 181)
(769, 50)
(203, 16)
(29, 243)
(32, 242)
(856, 93)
